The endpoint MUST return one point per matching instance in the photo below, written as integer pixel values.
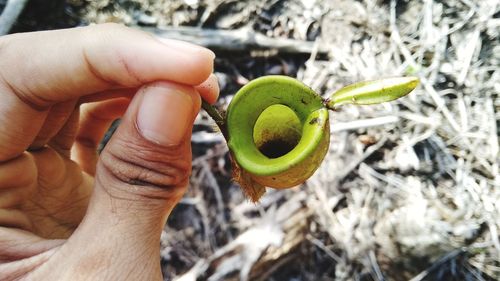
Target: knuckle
(158, 168)
(9, 43)
(3, 43)
(108, 42)
(111, 27)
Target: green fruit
(278, 131)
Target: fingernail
(187, 47)
(209, 89)
(165, 114)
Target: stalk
(216, 116)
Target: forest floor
(409, 190)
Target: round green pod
(278, 131)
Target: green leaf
(373, 92)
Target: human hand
(65, 212)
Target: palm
(53, 195)
(60, 198)
(44, 191)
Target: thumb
(147, 162)
(141, 174)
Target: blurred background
(410, 190)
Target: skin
(67, 213)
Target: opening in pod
(277, 131)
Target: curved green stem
(372, 92)
(216, 116)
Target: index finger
(40, 69)
(53, 66)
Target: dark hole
(276, 148)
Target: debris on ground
(409, 190)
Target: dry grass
(431, 193)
